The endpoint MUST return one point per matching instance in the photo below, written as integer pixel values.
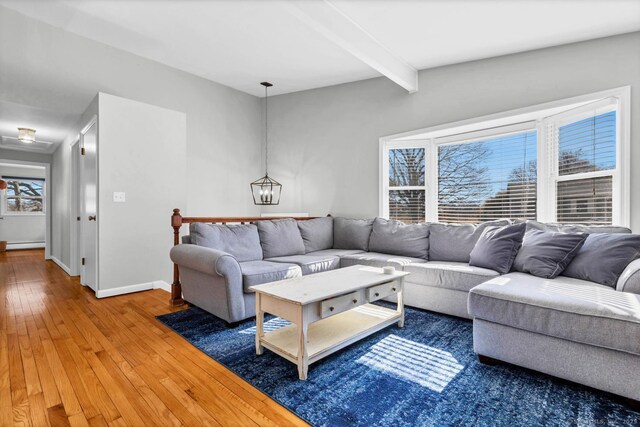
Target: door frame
(80, 241)
(47, 195)
(74, 223)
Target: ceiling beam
(331, 22)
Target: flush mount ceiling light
(266, 190)
(27, 135)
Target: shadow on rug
(423, 375)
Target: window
(564, 163)
(407, 184)
(585, 168)
(23, 196)
(488, 179)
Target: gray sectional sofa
(571, 328)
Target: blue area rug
(423, 375)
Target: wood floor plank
(70, 359)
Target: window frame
(531, 118)
(5, 198)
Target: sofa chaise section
(570, 328)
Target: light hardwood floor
(67, 358)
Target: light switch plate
(119, 197)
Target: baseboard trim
(61, 265)
(27, 245)
(156, 284)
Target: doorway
(84, 206)
(25, 218)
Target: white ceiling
(240, 43)
(51, 127)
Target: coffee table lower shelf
(329, 335)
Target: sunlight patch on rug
(412, 361)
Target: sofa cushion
(397, 238)
(603, 258)
(375, 259)
(546, 253)
(458, 276)
(311, 263)
(241, 241)
(317, 233)
(454, 242)
(259, 272)
(337, 252)
(497, 247)
(351, 233)
(280, 237)
(572, 309)
(575, 228)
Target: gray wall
(137, 144)
(50, 68)
(27, 228)
(324, 142)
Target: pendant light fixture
(266, 190)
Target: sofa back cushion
(351, 233)
(546, 254)
(241, 241)
(576, 228)
(280, 237)
(603, 257)
(454, 242)
(396, 238)
(317, 233)
(497, 247)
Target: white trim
(535, 117)
(61, 265)
(74, 208)
(156, 284)
(47, 195)
(25, 245)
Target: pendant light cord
(266, 133)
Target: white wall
(27, 228)
(142, 152)
(324, 142)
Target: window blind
(585, 201)
(489, 179)
(586, 147)
(407, 205)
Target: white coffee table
(328, 311)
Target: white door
(89, 207)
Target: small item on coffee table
(388, 270)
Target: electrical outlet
(119, 197)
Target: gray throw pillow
(603, 258)
(351, 233)
(396, 238)
(497, 247)
(575, 228)
(546, 254)
(454, 242)
(280, 237)
(241, 241)
(316, 233)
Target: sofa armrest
(629, 280)
(205, 260)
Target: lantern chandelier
(266, 190)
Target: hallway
(67, 358)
